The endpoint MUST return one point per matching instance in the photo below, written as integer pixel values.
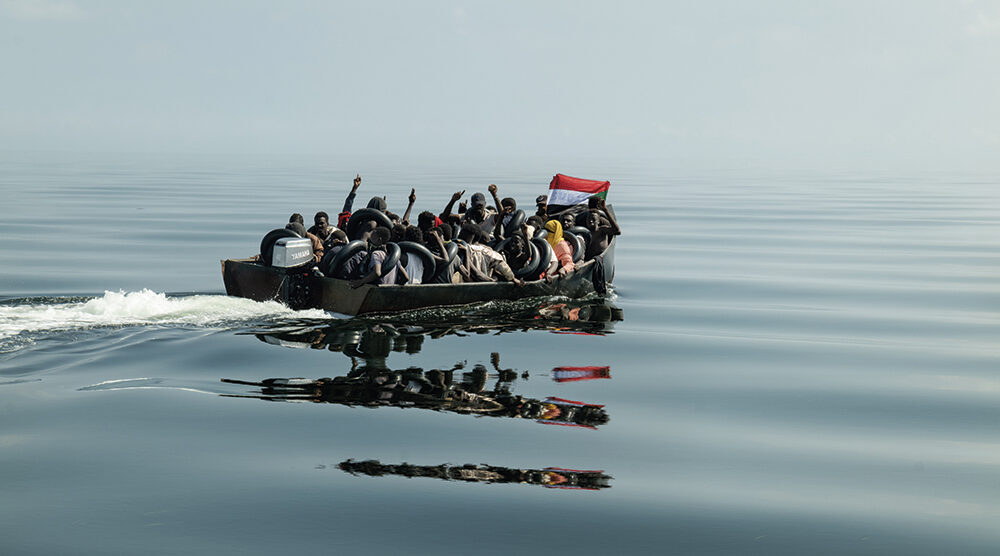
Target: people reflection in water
(549, 477)
(452, 389)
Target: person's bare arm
(440, 242)
(349, 202)
(508, 275)
(498, 227)
(409, 206)
(496, 200)
(479, 276)
(446, 213)
(601, 204)
(373, 276)
(463, 271)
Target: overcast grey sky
(797, 82)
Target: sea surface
(790, 363)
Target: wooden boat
(303, 289)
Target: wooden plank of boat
(249, 279)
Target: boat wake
(22, 319)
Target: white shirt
(414, 268)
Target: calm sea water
(790, 364)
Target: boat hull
(304, 290)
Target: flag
(568, 191)
(570, 374)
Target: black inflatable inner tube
(361, 216)
(529, 270)
(451, 251)
(544, 256)
(576, 243)
(584, 233)
(499, 246)
(516, 220)
(392, 253)
(503, 244)
(267, 244)
(415, 249)
(347, 252)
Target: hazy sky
(782, 82)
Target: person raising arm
(446, 215)
(409, 206)
(345, 214)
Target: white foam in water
(140, 308)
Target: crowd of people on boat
(471, 242)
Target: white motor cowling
(292, 251)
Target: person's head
(431, 242)
(476, 214)
(297, 227)
(396, 234)
(338, 237)
(516, 249)
(535, 222)
(477, 208)
(567, 221)
(425, 220)
(593, 202)
(555, 234)
(379, 237)
(296, 217)
(446, 232)
(377, 203)
(593, 219)
(365, 230)
(413, 234)
(322, 221)
(509, 205)
(469, 233)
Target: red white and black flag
(569, 191)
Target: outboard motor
(295, 255)
(290, 252)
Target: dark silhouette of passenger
(549, 477)
(603, 228)
(321, 227)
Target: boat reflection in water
(436, 389)
(408, 330)
(549, 477)
(371, 383)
